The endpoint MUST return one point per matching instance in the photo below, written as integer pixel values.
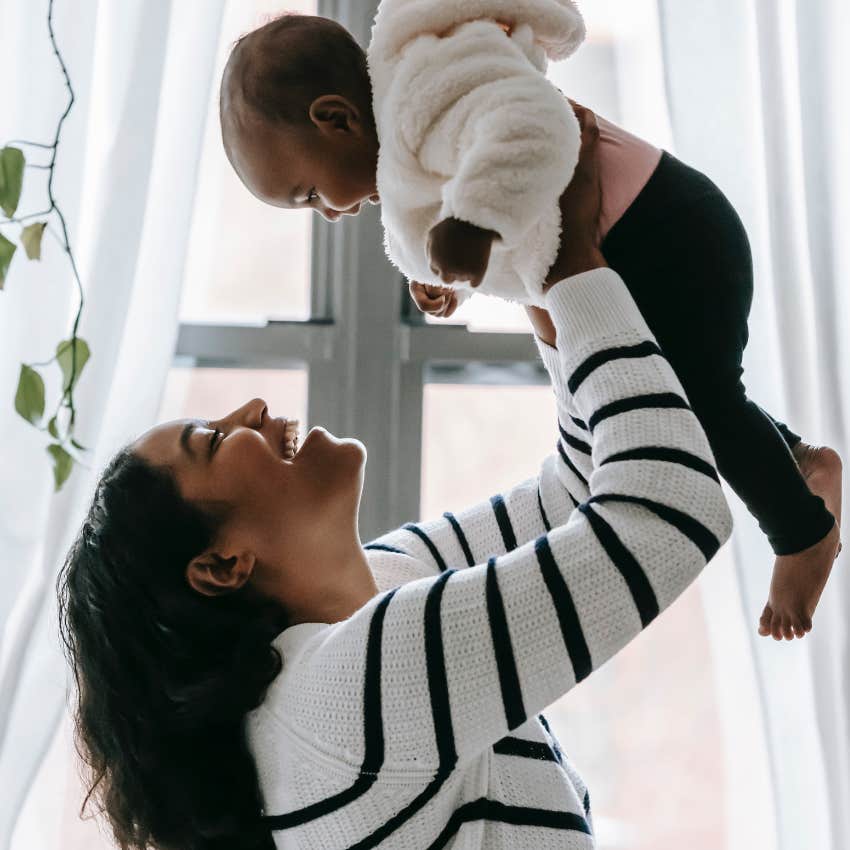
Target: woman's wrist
(583, 258)
(542, 323)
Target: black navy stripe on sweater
(543, 516)
(638, 584)
(594, 361)
(467, 552)
(504, 522)
(638, 402)
(575, 442)
(510, 746)
(666, 453)
(384, 547)
(703, 538)
(570, 465)
(435, 552)
(493, 810)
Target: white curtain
(757, 94)
(125, 178)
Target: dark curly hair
(279, 69)
(164, 674)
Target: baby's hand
(436, 300)
(459, 251)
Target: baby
(450, 124)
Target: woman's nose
(251, 414)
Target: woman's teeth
(290, 438)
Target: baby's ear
(333, 112)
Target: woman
(250, 675)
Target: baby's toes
(765, 620)
(787, 628)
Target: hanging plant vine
(72, 353)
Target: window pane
(212, 393)
(477, 440)
(247, 261)
(644, 730)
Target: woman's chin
(347, 445)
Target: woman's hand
(542, 323)
(438, 301)
(581, 204)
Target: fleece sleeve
(506, 137)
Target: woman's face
(281, 512)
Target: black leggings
(684, 255)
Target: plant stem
(69, 391)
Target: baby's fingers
(430, 299)
(451, 306)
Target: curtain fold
(757, 101)
(126, 174)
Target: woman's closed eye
(214, 441)
(312, 196)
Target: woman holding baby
(251, 675)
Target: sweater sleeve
(445, 666)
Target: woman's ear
(214, 573)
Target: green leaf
(31, 239)
(63, 463)
(52, 429)
(11, 179)
(77, 446)
(29, 399)
(7, 250)
(64, 352)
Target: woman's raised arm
(455, 662)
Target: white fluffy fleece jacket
(470, 128)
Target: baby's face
(331, 171)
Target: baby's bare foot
(798, 579)
(821, 468)
(795, 589)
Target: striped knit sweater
(416, 722)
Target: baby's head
(296, 116)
